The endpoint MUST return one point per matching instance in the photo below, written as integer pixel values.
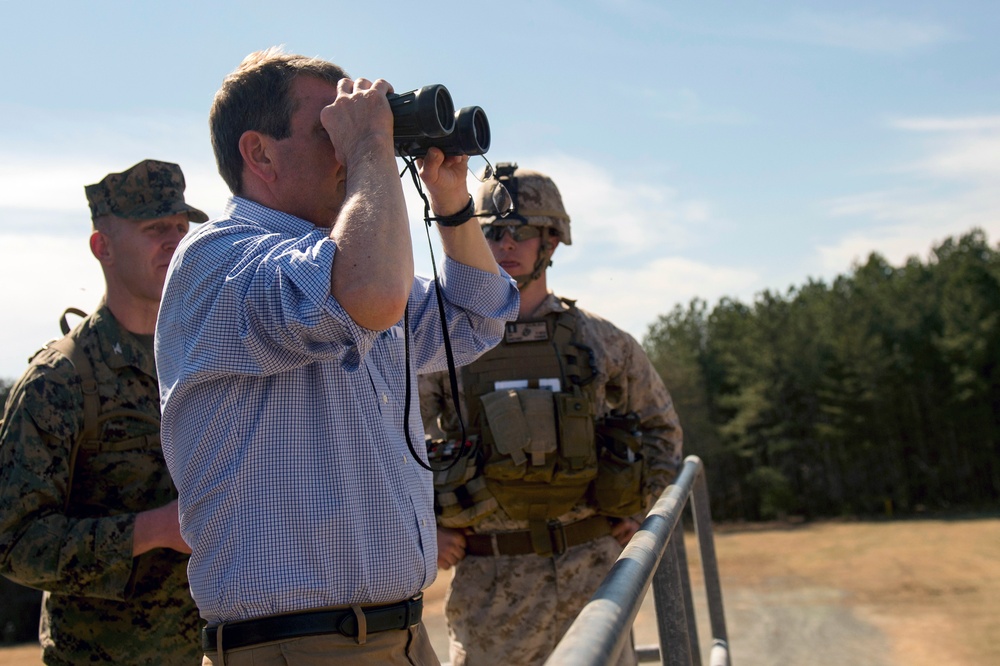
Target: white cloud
(627, 261)
(909, 223)
(43, 174)
(958, 193)
(617, 218)
(43, 276)
(963, 148)
(967, 124)
(42, 184)
(968, 158)
(633, 296)
(861, 32)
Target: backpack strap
(63, 324)
(68, 347)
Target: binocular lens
(426, 118)
(444, 110)
(425, 112)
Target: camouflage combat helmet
(536, 198)
(144, 191)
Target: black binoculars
(426, 117)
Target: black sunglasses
(519, 232)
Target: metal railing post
(656, 554)
(668, 597)
(709, 564)
(685, 576)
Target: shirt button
(385, 398)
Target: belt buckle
(557, 535)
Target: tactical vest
(530, 404)
(529, 407)
(89, 440)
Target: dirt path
(919, 593)
(913, 593)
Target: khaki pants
(395, 647)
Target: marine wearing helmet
(536, 203)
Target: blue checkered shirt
(283, 419)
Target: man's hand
(624, 530)
(445, 178)
(158, 528)
(360, 114)
(451, 547)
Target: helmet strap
(543, 261)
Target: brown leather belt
(312, 623)
(552, 538)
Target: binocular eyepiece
(426, 118)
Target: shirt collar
(245, 210)
(118, 347)
(552, 303)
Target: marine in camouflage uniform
(69, 498)
(515, 608)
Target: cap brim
(196, 215)
(157, 209)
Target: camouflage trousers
(515, 609)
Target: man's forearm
(467, 245)
(373, 268)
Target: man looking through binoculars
(287, 334)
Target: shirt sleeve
(41, 546)
(477, 305)
(244, 302)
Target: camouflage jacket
(101, 604)
(626, 381)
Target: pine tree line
(877, 393)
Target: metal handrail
(654, 555)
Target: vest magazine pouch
(522, 432)
(464, 505)
(539, 414)
(576, 434)
(536, 501)
(617, 491)
(456, 474)
(461, 498)
(506, 423)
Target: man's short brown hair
(257, 96)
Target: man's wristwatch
(459, 218)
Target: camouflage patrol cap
(145, 191)
(536, 198)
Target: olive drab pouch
(509, 429)
(617, 491)
(576, 429)
(461, 498)
(542, 456)
(522, 425)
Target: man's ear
(256, 151)
(100, 246)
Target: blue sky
(703, 149)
